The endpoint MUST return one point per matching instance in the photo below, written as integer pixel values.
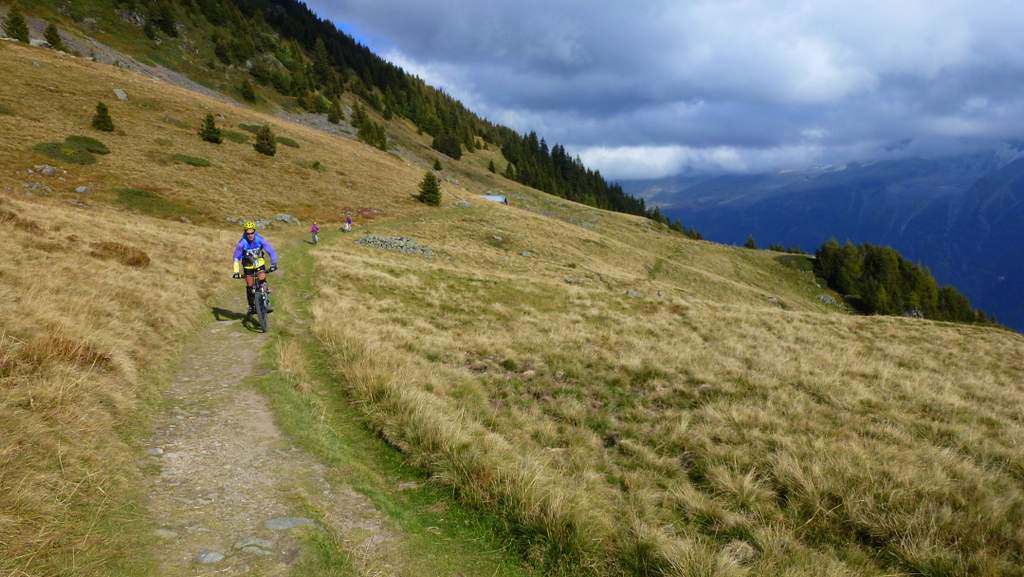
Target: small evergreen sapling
(52, 36)
(101, 120)
(265, 143)
(437, 164)
(750, 243)
(430, 190)
(209, 132)
(491, 167)
(15, 26)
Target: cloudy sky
(651, 88)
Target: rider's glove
(273, 267)
(237, 275)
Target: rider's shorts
(253, 271)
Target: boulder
(121, 94)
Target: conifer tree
(334, 114)
(209, 132)
(437, 164)
(430, 190)
(510, 171)
(101, 120)
(52, 36)
(750, 242)
(247, 90)
(265, 143)
(15, 26)
(491, 167)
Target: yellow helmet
(249, 224)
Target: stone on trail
(82, 189)
(121, 94)
(255, 546)
(282, 523)
(207, 557)
(155, 451)
(633, 294)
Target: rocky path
(230, 495)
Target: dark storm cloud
(654, 87)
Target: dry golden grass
(695, 430)
(159, 121)
(93, 297)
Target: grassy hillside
(627, 400)
(693, 428)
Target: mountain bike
(262, 301)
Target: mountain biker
(249, 253)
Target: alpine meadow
(564, 382)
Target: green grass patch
(191, 160)
(87, 143)
(287, 141)
(5, 110)
(234, 136)
(253, 128)
(151, 203)
(64, 152)
(164, 141)
(655, 269)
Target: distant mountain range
(961, 216)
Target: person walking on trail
(315, 231)
(347, 226)
(250, 260)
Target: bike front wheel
(261, 308)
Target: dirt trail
(231, 492)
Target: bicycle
(261, 300)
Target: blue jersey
(250, 252)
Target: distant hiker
(315, 231)
(347, 225)
(249, 255)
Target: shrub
(430, 190)
(286, 141)
(334, 114)
(5, 111)
(265, 143)
(102, 120)
(253, 128)
(750, 243)
(437, 164)
(247, 90)
(52, 36)
(191, 160)
(15, 25)
(209, 132)
(491, 167)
